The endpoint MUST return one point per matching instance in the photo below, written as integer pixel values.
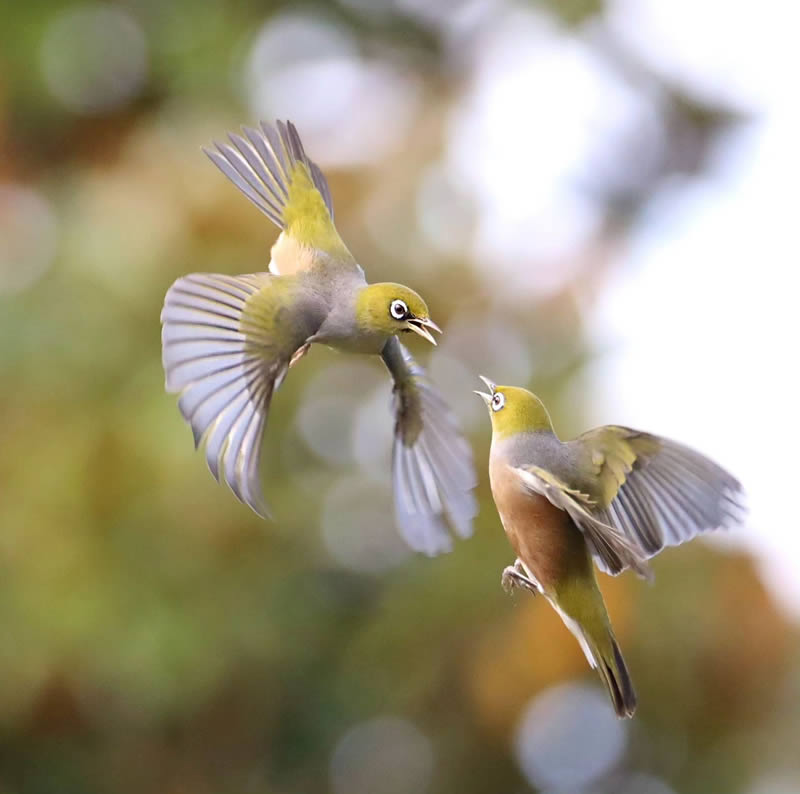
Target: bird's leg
(514, 576)
(299, 353)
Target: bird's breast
(350, 339)
(340, 329)
(543, 536)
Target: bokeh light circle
(774, 783)
(386, 755)
(642, 783)
(373, 432)
(28, 236)
(94, 58)
(329, 405)
(295, 56)
(358, 526)
(568, 737)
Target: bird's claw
(514, 576)
(298, 354)
(507, 579)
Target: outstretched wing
(227, 342)
(657, 492)
(613, 551)
(271, 168)
(432, 464)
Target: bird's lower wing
(432, 464)
(613, 551)
(227, 342)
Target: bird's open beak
(487, 398)
(420, 325)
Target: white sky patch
(738, 52)
(704, 319)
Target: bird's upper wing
(271, 168)
(432, 464)
(227, 342)
(613, 551)
(657, 492)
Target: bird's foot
(298, 354)
(514, 576)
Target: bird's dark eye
(498, 401)
(398, 309)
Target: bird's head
(392, 309)
(514, 410)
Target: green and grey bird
(613, 495)
(228, 342)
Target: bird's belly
(341, 332)
(352, 343)
(543, 536)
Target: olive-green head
(514, 410)
(392, 309)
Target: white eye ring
(398, 309)
(498, 401)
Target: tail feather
(613, 672)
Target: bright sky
(711, 356)
(705, 322)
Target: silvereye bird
(613, 494)
(228, 342)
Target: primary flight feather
(228, 342)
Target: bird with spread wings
(229, 341)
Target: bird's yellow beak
(487, 398)
(420, 325)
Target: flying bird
(613, 495)
(229, 341)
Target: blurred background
(598, 200)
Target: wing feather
(271, 168)
(613, 551)
(263, 165)
(657, 492)
(224, 360)
(431, 461)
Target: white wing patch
(288, 256)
